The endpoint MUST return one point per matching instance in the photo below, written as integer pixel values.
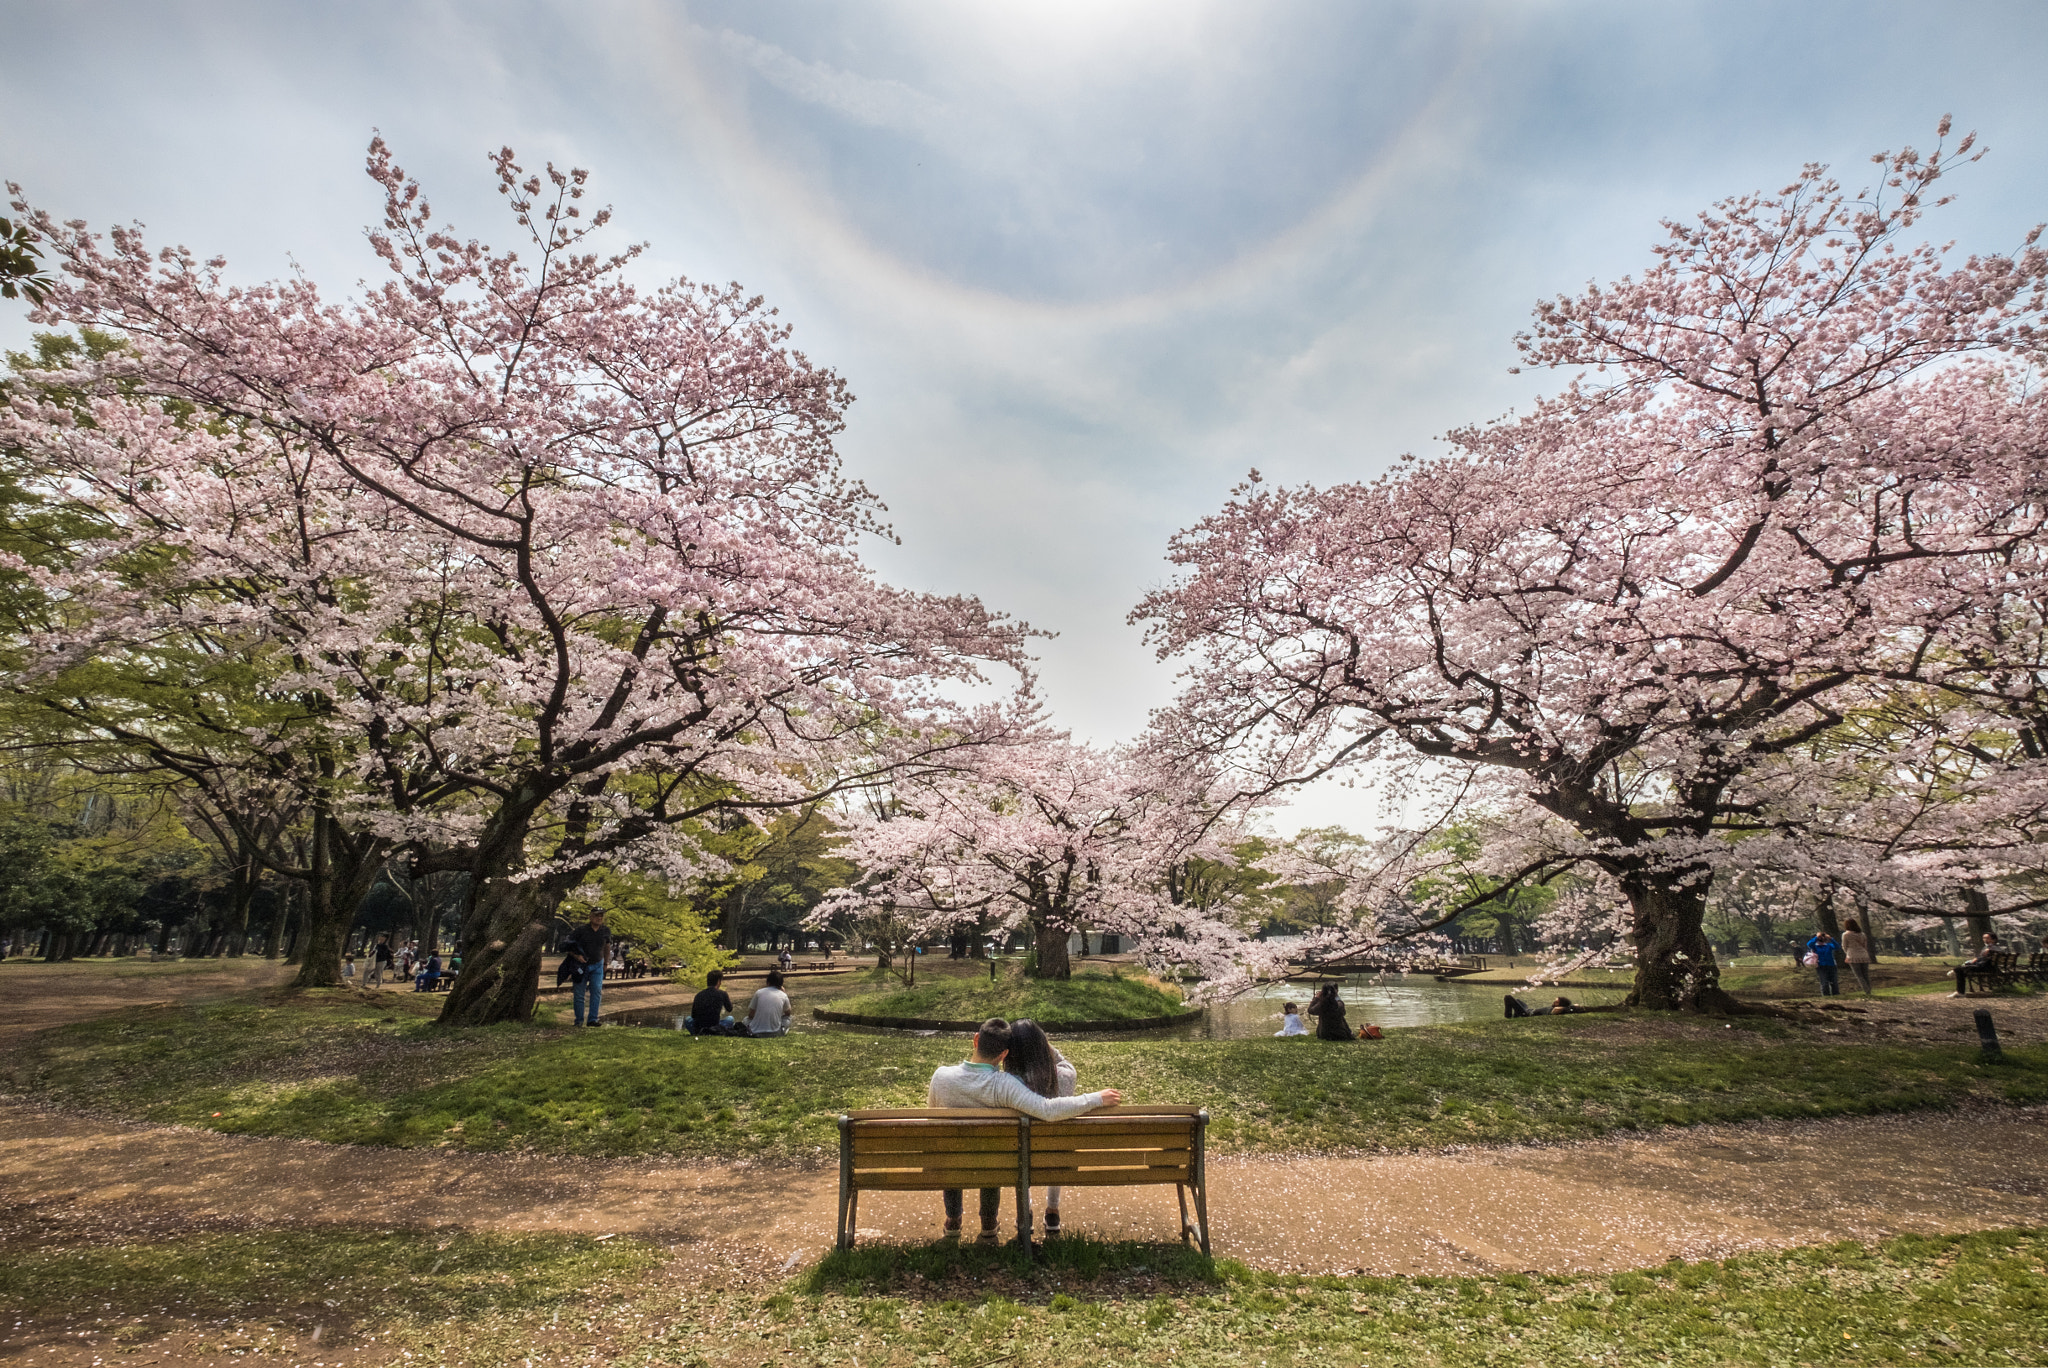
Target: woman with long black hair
(1328, 1010)
(1046, 1072)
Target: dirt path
(1604, 1205)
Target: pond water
(1386, 1000)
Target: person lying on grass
(979, 1081)
(1562, 1006)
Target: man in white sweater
(980, 1082)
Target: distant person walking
(1821, 953)
(1856, 953)
(590, 946)
(380, 960)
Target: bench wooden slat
(1179, 1139)
(863, 1164)
(918, 1182)
(1108, 1177)
(1055, 1131)
(1100, 1168)
(994, 1114)
(935, 1143)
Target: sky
(1084, 264)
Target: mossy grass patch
(351, 1069)
(1965, 1299)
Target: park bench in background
(2002, 970)
(929, 1149)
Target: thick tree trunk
(735, 918)
(1675, 967)
(1829, 921)
(343, 868)
(274, 946)
(1051, 943)
(320, 946)
(504, 937)
(1979, 918)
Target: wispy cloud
(866, 100)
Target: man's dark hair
(712, 979)
(993, 1038)
(774, 978)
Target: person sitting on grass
(711, 1006)
(979, 1081)
(1560, 1006)
(1328, 1010)
(768, 1012)
(1291, 1023)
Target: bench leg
(1202, 1212)
(847, 1196)
(1180, 1190)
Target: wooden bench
(2005, 968)
(1999, 971)
(925, 1149)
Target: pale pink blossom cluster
(1053, 838)
(1797, 481)
(507, 562)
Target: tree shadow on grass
(955, 1269)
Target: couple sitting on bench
(1014, 1067)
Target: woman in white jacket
(1046, 1072)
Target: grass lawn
(335, 1066)
(549, 1299)
(1085, 997)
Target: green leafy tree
(21, 274)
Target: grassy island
(1050, 1002)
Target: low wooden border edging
(969, 1027)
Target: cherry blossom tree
(1803, 452)
(587, 566)
(1054, 837)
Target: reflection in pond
(1389, 1000)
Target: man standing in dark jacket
(589, 947)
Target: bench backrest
(1119, 1145)
(925, 1148)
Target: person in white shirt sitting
(1290, 1020)
(979, 1081)
(768, 1011)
